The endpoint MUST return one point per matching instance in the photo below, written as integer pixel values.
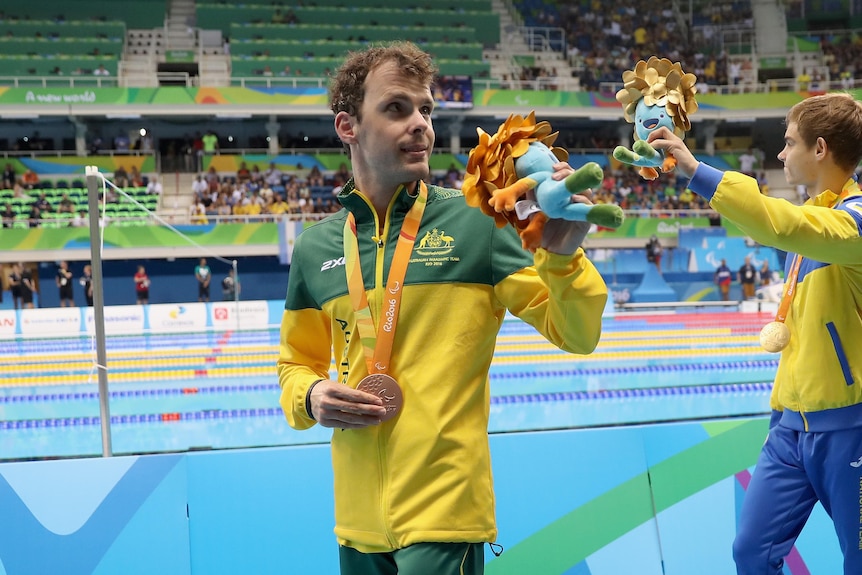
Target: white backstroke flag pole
(94, 179)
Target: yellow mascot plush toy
(509, 174)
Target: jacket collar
(354, 200)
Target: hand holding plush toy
(509, 178)
(656, 93)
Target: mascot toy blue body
(656, 93)
(509, 178)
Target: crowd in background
(602, 43)
(21, 281)
(252, 192)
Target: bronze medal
(386, 388)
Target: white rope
(103, 222)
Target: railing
(190, 219)
(555, 83)
(59, 81)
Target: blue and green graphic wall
(652, 500)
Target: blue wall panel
(647, 499)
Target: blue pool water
(219, 390)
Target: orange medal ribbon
(377, 344)
(776, 335)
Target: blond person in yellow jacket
(411, 461)
(814, 448)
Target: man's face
(392, 143)
(800, 166)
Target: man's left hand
(564, 236)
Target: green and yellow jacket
(425, 475)
(818, 385)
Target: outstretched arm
(664, 139)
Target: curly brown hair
(347, 88)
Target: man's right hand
(664, 139)
(336, 405)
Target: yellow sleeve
(305, 355)
(563, 297)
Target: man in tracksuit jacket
(814, 447)
(414, 493)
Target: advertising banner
(176, 318)
(240, 315)
(119, 320)
(51, 322)
(8, 324)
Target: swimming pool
(218, 390)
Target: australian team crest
(435, 242)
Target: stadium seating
(455, 32)
(307, 49)
(60, 38)
(46, 47)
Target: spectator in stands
(66, 205)
(210, 143)
(763, 182)
(723, 278)
(230, 286)
(747, 278)
(198, 214)
(15, 288)
(243, 174)
(197, 151)
(811, 452)
(747, 162)
(213, 179)
(29, 179)
(154, 186)
(27, 287)
(199, 186)
(654, 252)
(35, 216)
(265, 192)
(122, 143)
(136, 179)
(803, 80)
(63, 280)
(9, 216)
(80, 219)
(278, 206)
(343, 172)
(314, 178)
(101, 71)
(203, 275)
(43, 204)
(121, 177)
(272, 175)
(256, 177)
(255, 204)
(142, 286)
(9, 177)
(86, 282)
(96, 145)
(223, 209)
(765, 274)
(383, 107)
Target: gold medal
(386, 388)
(774, 336)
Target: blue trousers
(794, 471)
